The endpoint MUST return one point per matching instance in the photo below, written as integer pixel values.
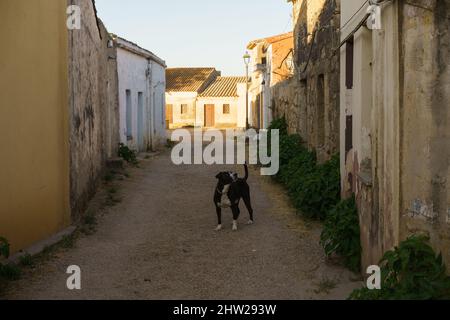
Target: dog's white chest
(225, 200)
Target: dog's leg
(236, 213)
(219, 218)
(248, 204)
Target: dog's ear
(218, 175)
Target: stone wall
(93, 105)
(313, 93)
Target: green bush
(341, 234)
(319, 190)
(412, 271)
(127, 154)
(279, 124)
(4, 248)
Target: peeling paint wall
(398, 165)
(425, 121)
(93, 105)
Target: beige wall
(176, 99)
(34, 166)
(399, 164)
(221, 120)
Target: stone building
(395, 121)
(142, 86)
(310, 100)
(93, 104)
(267, 69)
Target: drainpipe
(150, 115)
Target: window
(184, 108)
(226, 109)
(264, 60)
(129, 116)
(349, 63)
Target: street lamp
(247, 62)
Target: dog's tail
(246, 171)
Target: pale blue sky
(197, 33)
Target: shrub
(341, 234)
(319, 190)
(127, 154)
(4, 248)
(412, 271)
(279, 124)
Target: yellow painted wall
(34, 154)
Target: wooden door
(209, 116)
(169, 115)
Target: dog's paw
(250, 222)
(219, 227)
(235, 226)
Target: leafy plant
(127, 154)
(319, 190)
(341, 234)
(4, 248)
(10, 272)
(280, 124)
(412, 271)
(26, 260)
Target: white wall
(158, 103)
(132, 76)
(132, 70)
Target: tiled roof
(187, 79)
(223, 87)
(271, 40)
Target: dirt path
(159, 243)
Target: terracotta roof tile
(187, 79)
(223, 87)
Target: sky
(197, 33)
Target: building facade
(310, 101)
(267, 69)
(34, 121)
(222, 104)
(395, 122)
(183, 87)
(141, 96)
(93, 105)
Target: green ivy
(341, 234)
(127, 154)
(412, 271)
(279, 124)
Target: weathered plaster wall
(158, 102)
(92, 106)
(34, 166)
(425, 122)
(399, 164)
(132, 70)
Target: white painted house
(142, 86)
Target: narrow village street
(159, 243)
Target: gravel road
(159, 243)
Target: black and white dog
(229, 192)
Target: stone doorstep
(38, 247)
